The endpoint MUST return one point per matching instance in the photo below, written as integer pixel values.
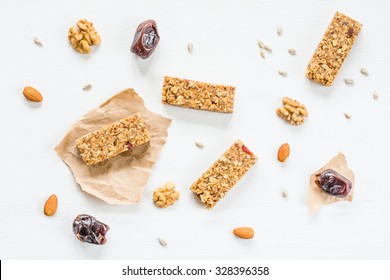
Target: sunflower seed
(348, 81)
(262, 54)
(284, 193)
(199, 145)
(38, 42)
(190, 47)
(261, 44)
(292, 51)
(364, 71)
(267, 48)
(347, 115)
(87, 87)
(279, 31)
(282, 73)
(375, 95)
(162, 242)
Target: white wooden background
(224, 35)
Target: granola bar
(333, 49)
(215, 183)
(113, 139)
(198, 95)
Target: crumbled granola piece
(166, 195)
(223, 175)
(198, 95)
(113, 139)
(333, 49)
(292, 111)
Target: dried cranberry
(88, 229)
(246, 150)
(145, 39)
(333, 183)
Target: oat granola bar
(215, 183)
(113, 139)
(333, 49)
(198, 95)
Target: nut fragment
(267, 48)
(32, 94)
(162, 242)
(284, 152)
(349, 82)
(244, 232)
(348, 115)
(87, 87)
(292, 51)
(166, 195)
(190, 48)
(279, 31)
(261, 44)
(292, 111)
(38, 42)
(51, 204)
(282, 73)
(364, 71)
(83, 36)
(262, 54)
(199, 145)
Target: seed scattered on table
(279, 31)
(162, 242)
(284, 193)
(375, 95)
(292, 51)
(282, 73)
(349, 81)
(364, 71)
(262, 54)
(267, 48)
(199, 145)
(38, 42)
(261, 44)
(190, 48)
(348, 115)
(87, 87)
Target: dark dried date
(88, 229)
(145, 39)
(333, 183)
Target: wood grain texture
(225, 51)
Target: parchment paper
(317, 198)
(121, 179)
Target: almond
(32, 94)
(51, 205)
(244, 232)
(284, 152)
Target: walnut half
(166, 195)
(83, 36)
(292, 111)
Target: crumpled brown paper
(121, 179)
(317, 198)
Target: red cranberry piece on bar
(333, 183)
(88, 229)
(145, 39)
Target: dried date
(145, 39)
(333, 183)
(88, 229)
